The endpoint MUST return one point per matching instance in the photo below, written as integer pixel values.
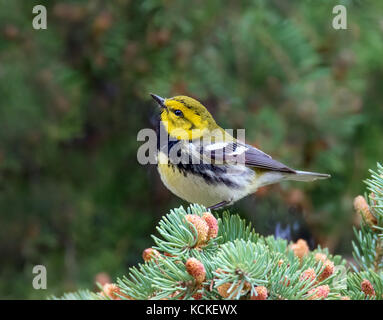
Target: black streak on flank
(203, 171)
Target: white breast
(195, 189)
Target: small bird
(219, 171)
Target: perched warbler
(202, 163)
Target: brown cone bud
(328, 270)
(308, 274)
(212, 224)
(320, 292)
(197, 296)
(150, 253)
(300, 248)
(223, 290)
(361, 206)
(201, 227)
(102, 278)
(112, 291)
(262, 293)
(320, 257)
(367, 288)
(196, 269)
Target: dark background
(73, 97)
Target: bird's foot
(219, 205)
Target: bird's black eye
(178, 113)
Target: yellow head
(185, 118)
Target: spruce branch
(368, 248)
(243, 265)
(232, 227)
(83, 294)
(201, 256)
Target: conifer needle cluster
(198, 255)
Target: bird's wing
(239, 152)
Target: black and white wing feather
(238, 152)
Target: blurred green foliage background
(73, 97)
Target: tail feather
(308, 176)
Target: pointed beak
(159, 100)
